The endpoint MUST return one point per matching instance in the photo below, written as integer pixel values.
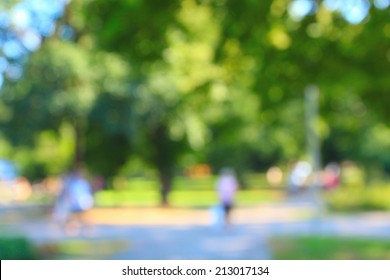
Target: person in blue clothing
(75, 198)
(8, 178)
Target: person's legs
(72, 226)
(227, 209)
(85, 224)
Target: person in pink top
(227, 186)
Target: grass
(16, 248)
(81, 249)
(196, 192)
(180, 198)
(356, 199)
(329, 248)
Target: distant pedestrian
(331, 176)
(227, 187)
(74, 200)
(299, 177)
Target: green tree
(322, 48)
(61, 84)
(220, 81)
(172, 57)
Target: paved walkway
(187, 234)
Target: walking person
(227, 187)
(74, 200)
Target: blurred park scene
(137, 106)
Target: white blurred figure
(74, 200)
(227, 187)
(217, 216)
(299, 176)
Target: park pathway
(194, 242)
(187, 234)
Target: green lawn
(16, 248)
(180, 198)
(197, 192)
(81, 249)
(20, 248)
(356, 199)
(329, 248)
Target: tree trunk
(79, 143)
(164, 159)
(166, 184)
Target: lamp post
(313, 142)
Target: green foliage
(176, 83)
(354, 199)
(16, 248)
(329, 248)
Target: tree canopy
(176, 83)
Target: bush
(16, 248)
